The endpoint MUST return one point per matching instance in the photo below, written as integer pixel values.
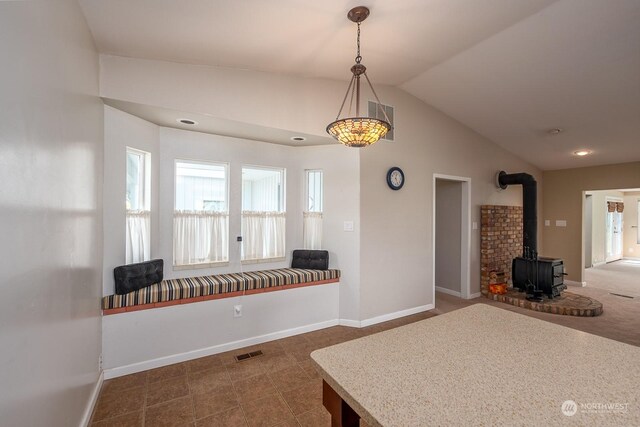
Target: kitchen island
(481, 365)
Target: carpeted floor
(621, 277)
(620, 320)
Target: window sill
(262, 260)
(200, 266)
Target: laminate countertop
(485, 366)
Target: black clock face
(395, 178)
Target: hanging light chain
(356, 131)
(358, 57)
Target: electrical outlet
(239, 239)
(237, 311)
(100, 363)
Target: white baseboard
(93, 399)
(397, 314)
(350, 323)
(208, 351)
(476, 295)
(448, 292)
(574, 283)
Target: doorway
(613, 230)
(452, 235)
(611, 241)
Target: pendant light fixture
(357, 131)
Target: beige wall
(448, 234)
(563, 199)
(631, 247)
(396, 239)
(51, 143)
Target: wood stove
(543, 274)
(530, 273)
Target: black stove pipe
(529, 205)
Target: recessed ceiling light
(187, 122)
(582, 152)
(555, 131)
(298, 138)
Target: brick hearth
(501, 241)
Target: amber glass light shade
(358, 131)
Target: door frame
(606, 236)
(465, 235)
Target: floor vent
(247, 356)
(621, 295)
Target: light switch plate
(547, 223)
(561, 223)
(348, 226)
(474, 225)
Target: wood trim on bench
(139, 307)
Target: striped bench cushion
(192, 287)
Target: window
(201, 215)
(312, 216)
(263, 213)
(138, 189)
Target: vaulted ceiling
(510, 70)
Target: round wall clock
(395, 178)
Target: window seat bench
(204, 288)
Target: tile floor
(280, 388)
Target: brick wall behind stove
(501, 241)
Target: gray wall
(50, 214)
(448, 234)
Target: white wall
(51, 133)
(146, 339)
(448, 234)
(265, 99)
(395, 226)
(134, 341)
(122, 130)
(630, 237)
(341, 203)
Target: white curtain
(138, 247)
(263, 235)
(312, 230)
(200, 237)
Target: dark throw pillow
(132, 277)
(310, 259)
